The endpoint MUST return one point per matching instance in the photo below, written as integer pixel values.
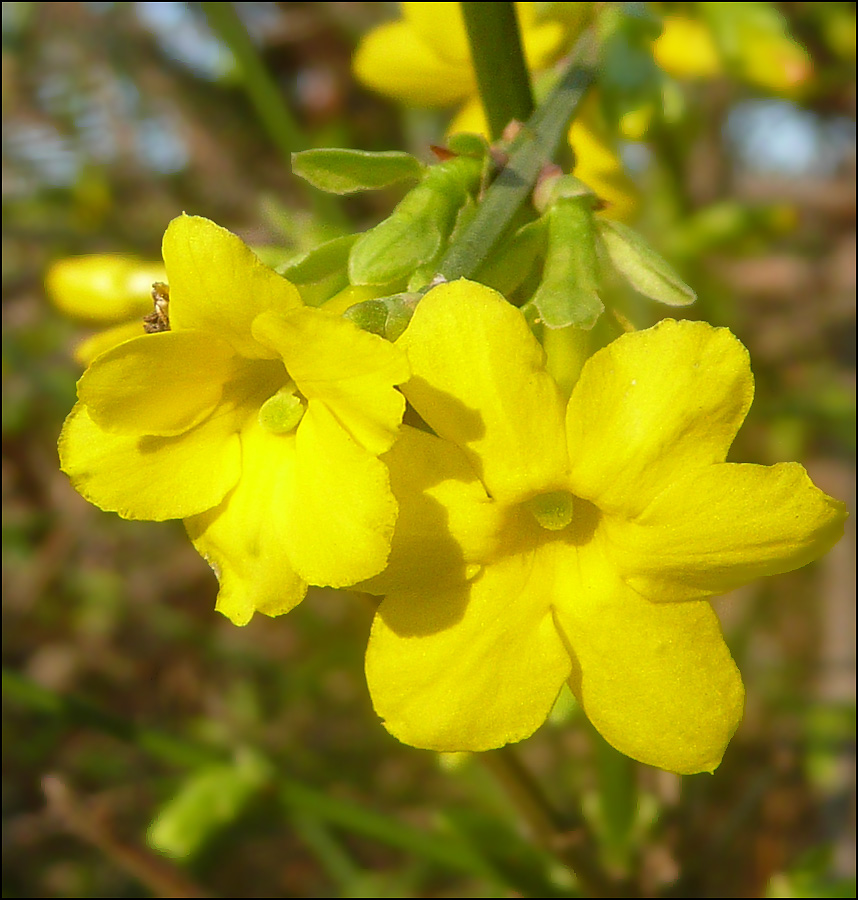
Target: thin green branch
(536, 145)
(570, 842)
(496, 52)
(267, 99)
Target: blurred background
(153, 749)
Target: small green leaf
(644, 269)
(322, 272)
(416, 231)
(320, 262)
(210, 799)
(343, 171)
(386, 316)
(568, 294)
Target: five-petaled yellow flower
(257, 420)
(540, 542)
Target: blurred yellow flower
(423, 60)
(257, 420)
(540, 542)
(757, 48)
(103, 289)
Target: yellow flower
(540, 542)
(423, 60)
(257, 420)
(762, 52)
(103, 289)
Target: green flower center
(553, 511)
(281, 413)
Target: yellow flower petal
(393, 60)
(351, 371)
(656, 679)
(651, 405)
(245, 539)
(468, 668)
(441, 28)
(153, 478)
(339, 521)
(219, 286)
(103, 287)
(446, 521)
(157, 384)
(480, 381)
(685, 49)
(96, 344)
(719, 527)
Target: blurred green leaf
(209, 800)
(343, 171)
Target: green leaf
(209, 800)
(568, 294)
(416, 231)
(322, 272)
(343, 171)
(385, 316)
(644, 269)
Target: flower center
(282, 412)
(553, 511)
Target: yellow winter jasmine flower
(540, 542)
(103, 289)
(257, 420)
(764, 53)
(424, 60)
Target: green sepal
(386, 316)
(644, 269)
(345, 171)
(417, 230)
(323, 271)
(211, 799)
(568, 293)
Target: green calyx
(282, 412)
(553, 510)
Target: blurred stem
(499, 64)
(618, 800)
(570, 842)
(535, 146)
(267, 99)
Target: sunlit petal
(219, 286)
(468, 668)
(245, 539)
(652, 406)
(479, 380)
(723, 526)
(351, 371)
(656, 679)
(155, 478)
(152, 385)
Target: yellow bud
(103, 287)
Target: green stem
(570, 842)
(536, 145)
(267, 98)
(499, 65)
